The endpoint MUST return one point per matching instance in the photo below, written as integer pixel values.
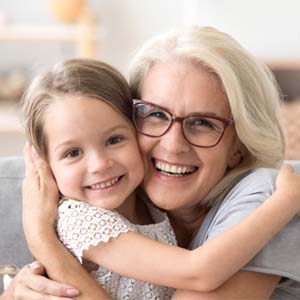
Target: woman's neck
(186, 223)
(135, 210)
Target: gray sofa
(13, 247)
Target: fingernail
(72, 292)
(35, 266)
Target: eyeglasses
(200, 130)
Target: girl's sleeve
(80, 226)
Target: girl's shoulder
(80, 225)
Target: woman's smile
(171, 169)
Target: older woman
(205, 185)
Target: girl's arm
(202, 269)
(38, 204)
(209, 266)
(245, 285)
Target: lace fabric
(80, 225)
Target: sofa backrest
(13, 246)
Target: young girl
(77, 116)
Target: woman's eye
(202, 123)
(158, 114)
(114, 140)
(73, 153)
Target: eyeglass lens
(198, 130)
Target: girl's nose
(99, 163)
(173, 141)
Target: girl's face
(183, 89)
(92, 151)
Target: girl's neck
(186, 223)
(135, 210)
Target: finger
(29, 166)
(28, 278)
(36, 268)
(44, 285)
(41, 166)
(24, 293)
(286, 168)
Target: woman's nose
(174, 141)
(99, 163)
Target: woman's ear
(235, 157)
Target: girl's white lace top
(80, 225)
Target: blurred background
(38, 33)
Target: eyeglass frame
(226, 121)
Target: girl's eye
(116, 139)
(73, 153)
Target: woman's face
(182, 89)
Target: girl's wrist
(288, 198)
(38, 237)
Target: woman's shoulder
(258, 183)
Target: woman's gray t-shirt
(281, 256)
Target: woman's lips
(169, 169)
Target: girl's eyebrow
(117, 127)
(63, 144)
(69, 142)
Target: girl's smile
(92, 151)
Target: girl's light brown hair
(78, 77)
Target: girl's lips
(105, 184)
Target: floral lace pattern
(80, 225)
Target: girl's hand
(288, 183)
(31, 284)
(40, 195)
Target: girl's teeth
(104, 185)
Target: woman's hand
(288, 183)
(31, 284)
(40, 196)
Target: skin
(94, 159)
(182, 89)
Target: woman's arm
(39, 190)
(204, 268)
(208, 266)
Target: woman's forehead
(184, 88)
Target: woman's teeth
(173, 170)
(106, 184)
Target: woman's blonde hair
(250, 88)
(75, 77)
